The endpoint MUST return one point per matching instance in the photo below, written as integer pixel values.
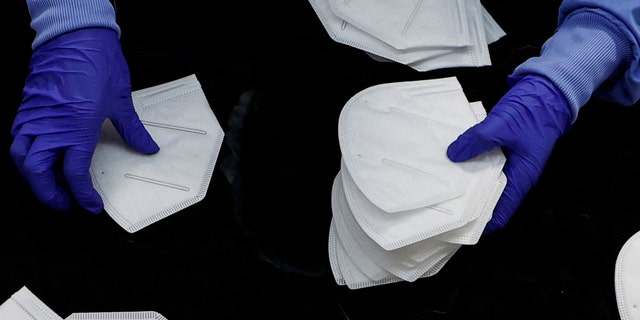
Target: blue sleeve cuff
(51, 18)
(586, 51)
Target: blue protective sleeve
(594, 51)
(51, 18)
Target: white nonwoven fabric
(136, 315)
(360, 258)
(476, 54)
(345, 271)
(409, 23)
(394, 136)
(367, 254)
(480, 25)
(470, 233)
(627, 279)
(139, 189)
(24, 305)
(379, 235)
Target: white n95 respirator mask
(24, 305)
(627, 279)
(139, 189)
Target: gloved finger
(518, 185)
(19, 150)
(38, 170)
(480, 138)
(76, 171)
(133, 132)
(504, 209)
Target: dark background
(257, 247)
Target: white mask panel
(419, 221)
(357, 254)
(470, 233)
(24, 305)
(478, 23)
(475, 54)
(627, 279)
(407, 24)
(394, 137)
(343, 32)
(408, 263)
(138, 189)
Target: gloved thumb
(133, 132)
(474, 141)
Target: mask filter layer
(24, 305)
(627, 279)
(138, 189)
(401, 208)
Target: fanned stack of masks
(24, 305)
(401, 208)
(423, 34)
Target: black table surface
(257, 247)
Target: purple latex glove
(526, 123)
(75, 82)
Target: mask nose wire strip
(156, 182)
(412, 17)
(172, 127)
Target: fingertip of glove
(453, 152)
(151, 147)
(60, 205)
(95, 210)
(489, 229)
(145, 145)
(96, 206)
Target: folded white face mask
(420, 220)
(493, 31)
(137, 315)
(475, 54)
(394, 136)
(138, 189)
(360, 258)
(627, 279)
(363, 250)
(345, 271)
(24, 305)
(470, 233)
(420, 59)
(408, 24)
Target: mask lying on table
(138, 189)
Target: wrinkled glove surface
(76, 81)
(526, 123)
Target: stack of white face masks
(139, 189)
(24, 305)
(423, 34)
(627, 279)
(401, 208)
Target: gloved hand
(75, 82)
(526, 123)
